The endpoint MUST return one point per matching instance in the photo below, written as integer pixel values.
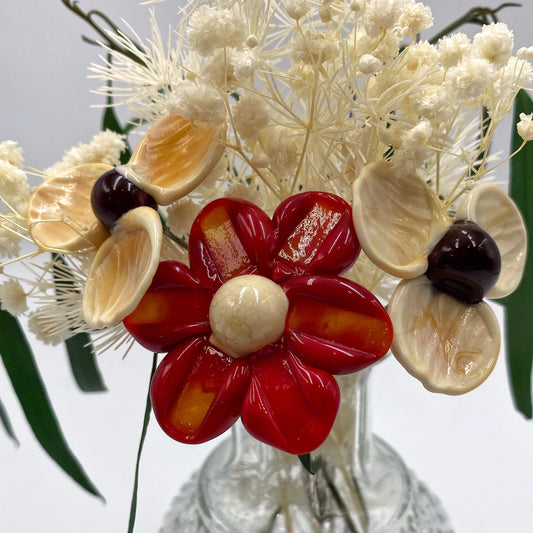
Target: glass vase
(360, 484)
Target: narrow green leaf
(147, 410)
(79, 347)
(83, 363)
(519, 333)
(110, 122)
(6, 422)
(29, 388)
(305, 459)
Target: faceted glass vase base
(254, 489)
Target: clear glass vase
(360, 485)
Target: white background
(475, 452)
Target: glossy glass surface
(290, 398)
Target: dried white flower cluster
(311, 91)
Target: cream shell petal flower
(123, 268)
(450, 346)
(170, 161)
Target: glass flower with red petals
(259, 322)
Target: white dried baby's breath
(469, 78)
(105, 147)
(198, 102)
(12, 153)
(250, 115)
(494, 43)
(525, 127)
(453, 48)
(180, 216)
(13, 297)
(211, 27)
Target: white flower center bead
(247, 313)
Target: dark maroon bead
(465, 263)
(113, 195)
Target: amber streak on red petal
(197, 391)
(174, 308)
(335, 324)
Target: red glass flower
(259, 323)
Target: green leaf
(110, 122)
(305, 459)
(83, 363)
(79, 347)
(29, 388)
(4, 418)
(519, 333)
(147, 410)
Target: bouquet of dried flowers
(311, 184)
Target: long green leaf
(79, 347)
(110, 122)
(6, 422)
(83, 363)
(29, 388)
(519, 335)
(146, 420)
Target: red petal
(175, 307)
(335, 324)
(289, 405)
(316, 235)
(197, 391)
(228, 238)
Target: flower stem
(133, 507)
(107, 34)
(476, 15)
(320, 466)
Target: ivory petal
(59, 213)
(123, 268)
(449, 346)
(492, 209)
(174, 157)
(397, 218)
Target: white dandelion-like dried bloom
(13, 297)
(48, 324)
(453, 48)
(415, 18)
(180, 216)
(250, 115)
(211, 27)
(494, 43)
(469, 78)
(105, 147)
(382, 15)
(369, 64)
(413, 150)
(525, 127)
(316, 48)
(12, 153)
(14, 187)
(296, 9)
(199, 102)
(10, 239)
